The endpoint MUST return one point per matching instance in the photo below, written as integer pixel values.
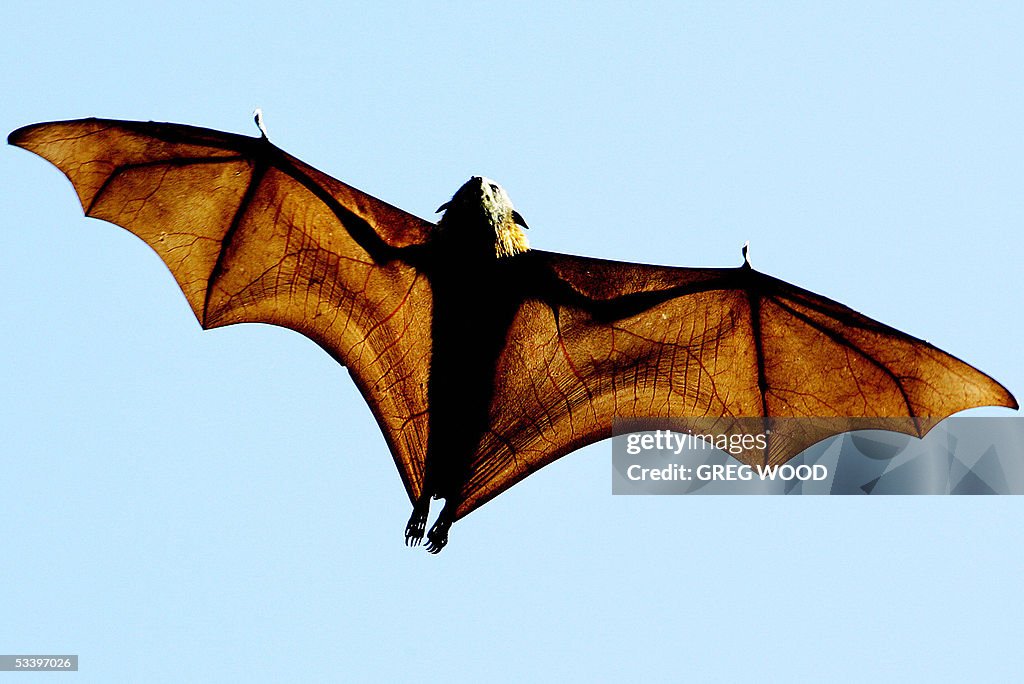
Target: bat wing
(603, 339)
(252, 234)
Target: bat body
(482, 359)
(476, 273)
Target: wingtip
(16, 136)
(997, 394)
(1007, 400)
(1013, 401)
(19, 137)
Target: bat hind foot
(417, 523)
(437, 538)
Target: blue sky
(180, 505)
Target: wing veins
(177, 161)
(357, 227)
(838, 338)
(258, 174)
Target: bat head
(480, 213)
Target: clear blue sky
(179, 505)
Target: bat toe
(414, 529)
(437, 538)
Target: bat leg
(417, 521)
(438, 535)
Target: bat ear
(519, 219)
(443, 207)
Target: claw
(414, 529)
(437, 538)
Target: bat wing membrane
(254, 235)
(640, 341)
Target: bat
(484, 360)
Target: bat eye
(494, 187)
